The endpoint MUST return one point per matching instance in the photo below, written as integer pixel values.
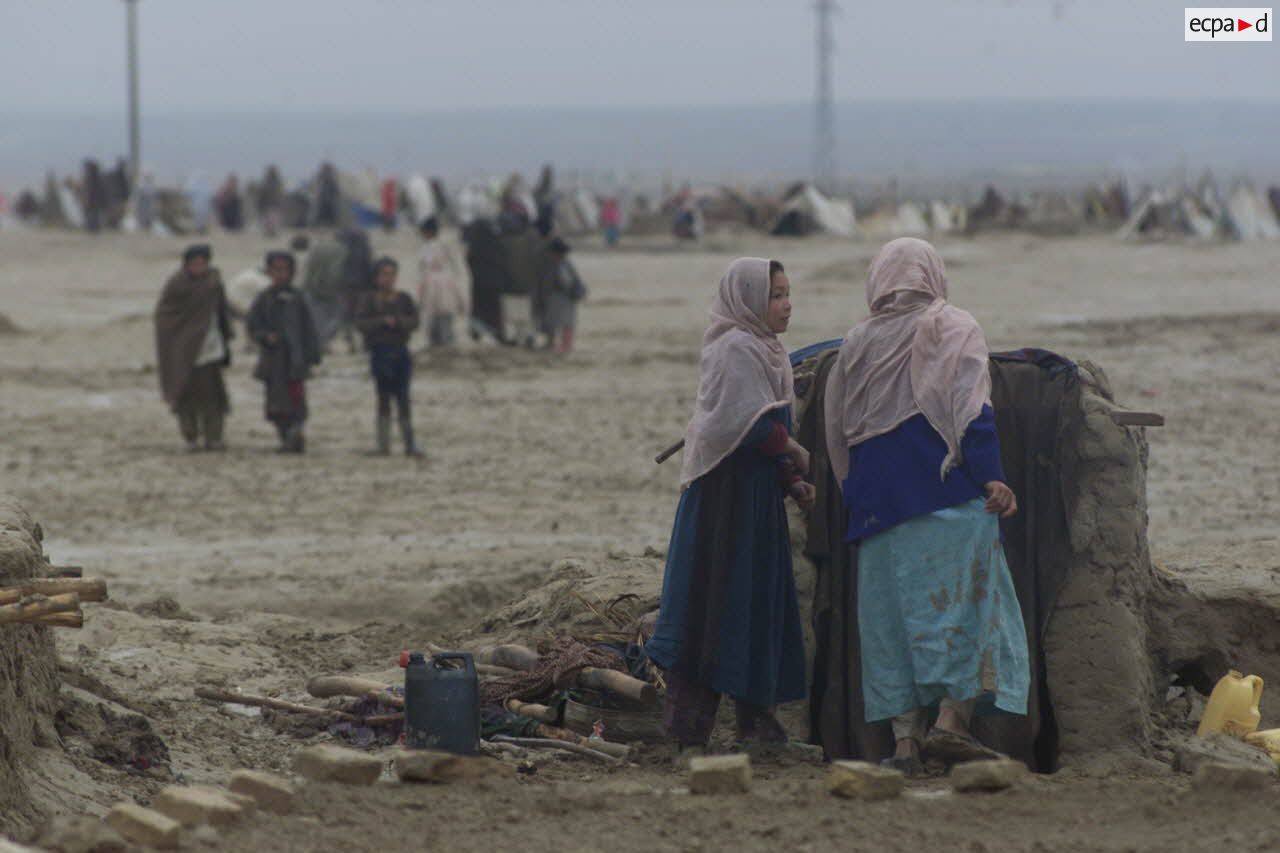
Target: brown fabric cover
(182, 318)
(1034, 407)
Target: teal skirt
(938, 615)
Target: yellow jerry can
(1233, 706)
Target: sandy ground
(336, 560)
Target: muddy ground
(280, 568)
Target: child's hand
(804, 494)
(1000, 499)
(799, 457)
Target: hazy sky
(413, 55)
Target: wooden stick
(89, 589)
(533, 711)
(325, 686)
(37, 606)
(669, 452)
(215, 695)
(618, 750)
(1145, 419)
(547, 743)
(504, 660)
(618, 683)
(494, 671)
(66, 619)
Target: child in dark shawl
(387, 317)
(729, 620)
(192, 335)
(280, 323)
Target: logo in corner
(1228, 24)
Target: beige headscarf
(745, 370)
(915, 354)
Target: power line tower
(824, 108)
(131, 48)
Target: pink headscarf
(745, 370)
(915, 354)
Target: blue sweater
(894, 477)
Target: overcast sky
(419, 55)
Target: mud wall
(1102, 680)
(28, 673)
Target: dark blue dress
(729, 616)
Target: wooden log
(533, 711)
(216, 695)
(548, 743)
(66, 619)
(1145, 419)
(37, 606)
(326, 686)
(490, 660)
(510, 655)
(619, 684)
(617, 750)
(493, 671)
(89, 589)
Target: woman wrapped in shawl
(192, 334)
(729, 620)
(911, 435)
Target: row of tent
(335, 198)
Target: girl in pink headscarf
(911, 435)
(729, 620)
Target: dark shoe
(911, 766)
(193, 447)
(215, 446)
(954, 748)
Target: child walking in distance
(281, 324)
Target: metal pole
(135, 135)
(824, 114)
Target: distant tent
(578, 213)
(1053, 213)
(1249, 216)
(806, 211)
(896, 220)
(946, 218)
(361, 199)
(1164, 215)
(422, 201)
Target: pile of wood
(504, 661)
(49, 601)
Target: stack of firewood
(49, 601)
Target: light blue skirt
(938, 615)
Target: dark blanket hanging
(1036, 397)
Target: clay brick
(326, 763)
(144, 826)
(720, 774)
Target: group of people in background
(291, 320)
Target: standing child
(192, 335)
(280, 323)
(729, 620)
(441, 290)
(564, 290)
(912, 436)
(387, 317)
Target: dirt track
(288, 560)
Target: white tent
(422, 201)
(1249, 215)
(808, 211)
